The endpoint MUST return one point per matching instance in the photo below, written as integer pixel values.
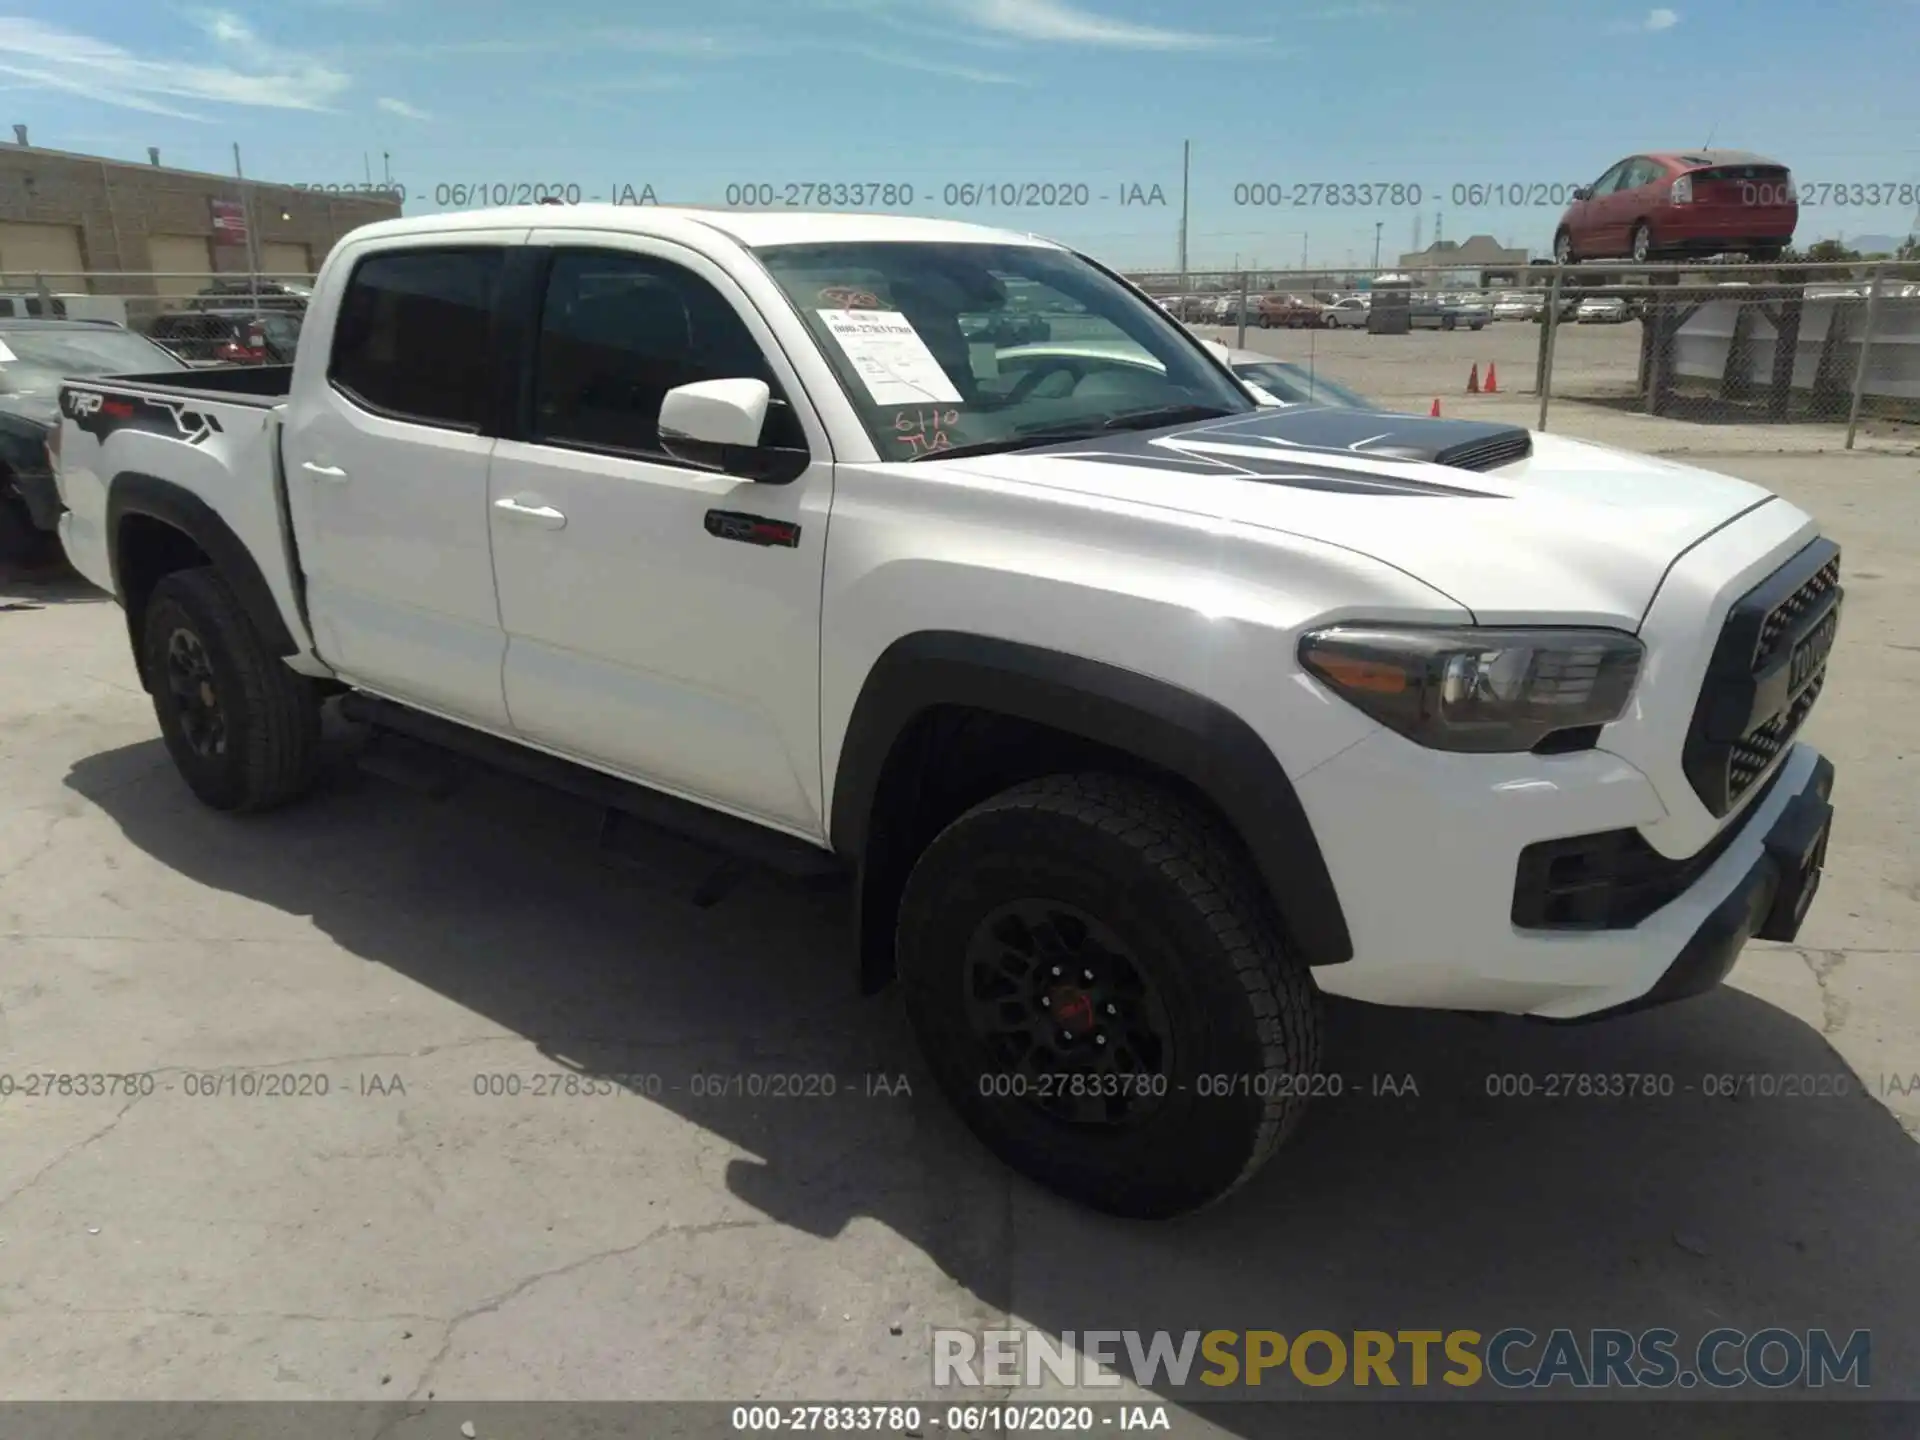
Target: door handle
(545, 516)
(326, 472)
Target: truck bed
(197, 449)
(260, 385)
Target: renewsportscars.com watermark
(1511, 1359)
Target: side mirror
(1585, 192)
(715, 412)
(717, 425)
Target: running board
(741, 839)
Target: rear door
(386, 446)
(1616, 208)
(1645, 193)
(1589, 223)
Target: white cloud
(894, 60)
(1660, 20)
(245, 70)
(1060, 21)
(679, 44)
(401, 108)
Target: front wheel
(1642, 243)
(1093, 973)
(243, 728)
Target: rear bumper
(41, 497)
(1713, 239)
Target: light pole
(1376, 244)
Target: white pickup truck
(1141, 711)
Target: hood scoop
(1508, 444)
(1282, 444)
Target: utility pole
(386, 168)
(1186, 172)
(1303, 250)
(246, 221)
(1377, 226)
(366, 164)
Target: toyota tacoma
(1140, 713)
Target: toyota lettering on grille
(1811, 653)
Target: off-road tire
(271, 714)
(1163, 876)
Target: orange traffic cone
(1493, 381)
(1473, 379)
(1435, 412)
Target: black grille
(1780, 620)
(1609, 881)
(1487, 454)
(1768, 669)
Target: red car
(1684, 202)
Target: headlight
(1473, 689)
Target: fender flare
(1165, 725)
(134, 493)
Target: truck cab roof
(752, 228)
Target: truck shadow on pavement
(1422, 1197)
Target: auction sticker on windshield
(893, 362)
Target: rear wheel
(1642, 243)
(1094, 976)
(243, 728)
(1765, 254)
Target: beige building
(1481, 260)
(81, 223)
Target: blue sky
(689, 99)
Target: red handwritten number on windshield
(847, 297)
(925, 431)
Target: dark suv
(246, 291)
(228, 337)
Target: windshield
(1301, 387)
(944, 347)
(79, 350)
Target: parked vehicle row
(35, 356)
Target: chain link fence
(1702, 345)
(205, 318)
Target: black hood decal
(1287, 441)
(100, 414)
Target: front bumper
(1424, 848)
(1768, 902)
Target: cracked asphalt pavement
(409, 1096)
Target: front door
(662, 620)
(387, 477)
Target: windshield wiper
(1061, 433)
(1163, 415)
(1025, 439)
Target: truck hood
(42, 407)
(1513, 526)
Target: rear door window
(414, 338)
